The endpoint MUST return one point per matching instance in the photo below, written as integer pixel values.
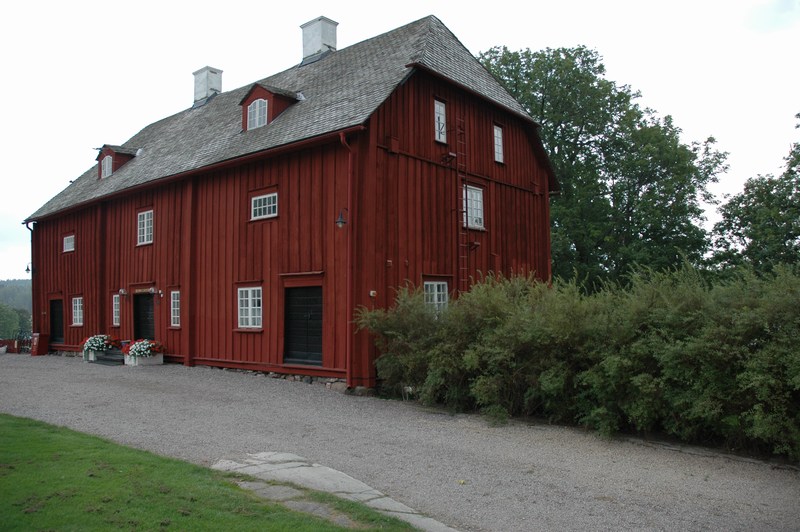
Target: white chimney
(207, 82)
(319, 35)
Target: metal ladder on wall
(463, 231)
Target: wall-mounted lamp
(152, 290)
(123, 292)
(29, 267)
(340, 221)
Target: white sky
(79, 74)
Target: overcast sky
(80, 74)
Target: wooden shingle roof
(339, 91)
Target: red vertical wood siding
(405, 218)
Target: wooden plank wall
(409, 198)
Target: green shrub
(668, 352)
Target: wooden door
(144, 324)
(303, 326)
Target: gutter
(205, 169)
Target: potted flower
(98, 343)
(143, 353)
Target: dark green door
(303, 326)
(57, 321)
(144, 323)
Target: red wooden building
(244, 231)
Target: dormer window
(257, 114)
(263, 104)
(112, 158)
(107, 166)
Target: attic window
(106, 164)
(257, 114)
(440, 121)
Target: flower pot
(154, 360)
(90, 355)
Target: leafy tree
(24, 317)
(9, 322)
(631, 190)
(760, 226)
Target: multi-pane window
(249, 308)
(145, 228)
(264, 206)
(436, 294)
(473, 207)
(175, 308)
(69, 243)
(498, 144)
(257, 114)
(115, 310)
(77, 311)
(106, 166)
(440, 121)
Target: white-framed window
(257, 114)
(106, 164)
(265, 206)
(115, 310)
(440, 121)
(69, 243)
(473, 207)
(249, 307)
(144, 233)
(436, 294)
(498, 144)
(77, 311)
(175, 308)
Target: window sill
(479, 229)
(174, 328)
(76, 325)
(254, 330)
(263, 218)
(142, 244)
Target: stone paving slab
(287, 467)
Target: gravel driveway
(455, 469)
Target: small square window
(144, 228)
(175, 308)
(265, 206)
(436, 294)
(249, 308)
(473, 207)
(77, 311)
(440, 121)
(69, 243)
(498, 144)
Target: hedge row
(667, 354)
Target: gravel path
(455, 469)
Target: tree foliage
(9, 322)
(631, 190)
(760, 226)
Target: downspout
(35, 315)
(349, 263)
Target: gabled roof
(117, 149)
(291, 95)
(339, 91)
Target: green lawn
(53, 478)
